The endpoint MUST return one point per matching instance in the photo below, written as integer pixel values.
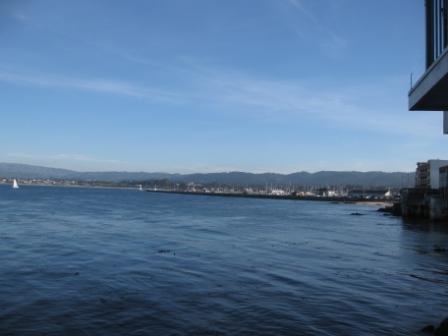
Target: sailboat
(15, 185)
(140, 187)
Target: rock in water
(439, 249)
(442, 330)
(429, 329)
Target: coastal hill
(366, 179)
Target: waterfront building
(278, 192)
(326, 192)
(422, 175)
(427, 174)
(430, 92)
(368, 194)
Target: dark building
(430, 92)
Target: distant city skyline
(208, 86)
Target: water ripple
(118, 262)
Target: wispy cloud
(19, 16)
(365, 108)
(96, 85)
(298, 4)
(332, 44)
(63, 157)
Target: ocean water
(121, 262)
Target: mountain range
(322, 178)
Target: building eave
(430, 93)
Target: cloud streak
(63, 157)
(93, 85)
(263, 99)
(298, 5)
(331, 44)
(344, 107)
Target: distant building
(427, 175)
(370, 194)
(325, 192)
(430, 92)
(278, 192)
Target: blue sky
(211, 85)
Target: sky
(209, 85)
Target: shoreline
(70, 186)
(356, 201)
(378, 203)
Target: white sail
(140, 187)
(15, 185)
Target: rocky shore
(393, 209)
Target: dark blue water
(121, 262)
